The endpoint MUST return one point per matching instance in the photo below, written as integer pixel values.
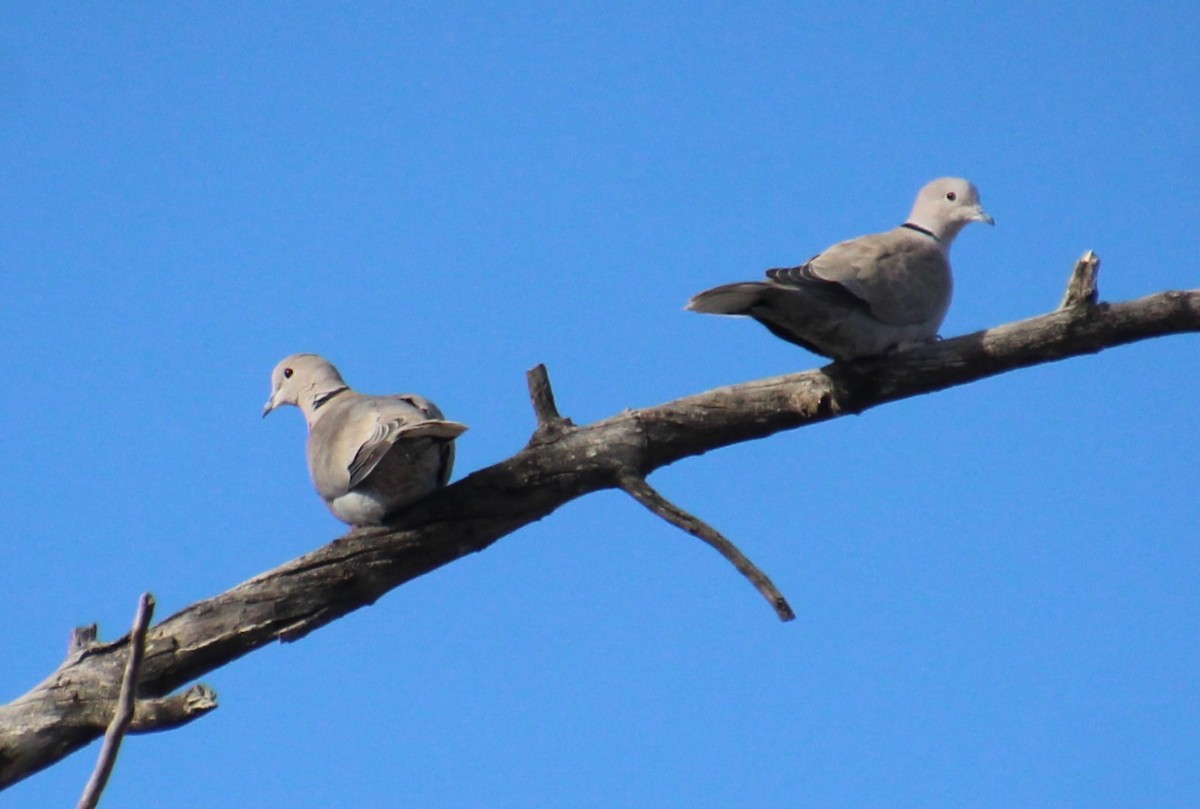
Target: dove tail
(730, 299)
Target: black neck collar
(323, 399)
(920, 229)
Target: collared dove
(866, 296)
(368, 456)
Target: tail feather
(729, 299)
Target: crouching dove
(368, 456)
(866, 296)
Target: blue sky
(996, 585)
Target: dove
(867, 296)
(368, 456)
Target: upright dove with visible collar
(866, 296)
(368, 456)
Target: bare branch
(72, 706)
(123, 715)
(648, 496)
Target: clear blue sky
(997, 586)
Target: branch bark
(561, 462)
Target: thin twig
(123, 714)
(1082, 289)
(637, 488)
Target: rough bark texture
(75, 703)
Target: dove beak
(269, 406)
(983, 216)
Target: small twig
(1082, 289)
(83, 637)
(83, 640)
(550, 423)
(123, 714)
(637, 488)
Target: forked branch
(551, 425)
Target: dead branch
(123, 715)
(74, 704)
(637, 488)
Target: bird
(368, 456)
(868, 296)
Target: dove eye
(287, 373)
(950, 195)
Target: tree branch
(300, 596)
(644, 493)
(123, 715)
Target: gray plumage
(866, 296)
(368, 456)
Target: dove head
(946, 206)
(304, 380)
